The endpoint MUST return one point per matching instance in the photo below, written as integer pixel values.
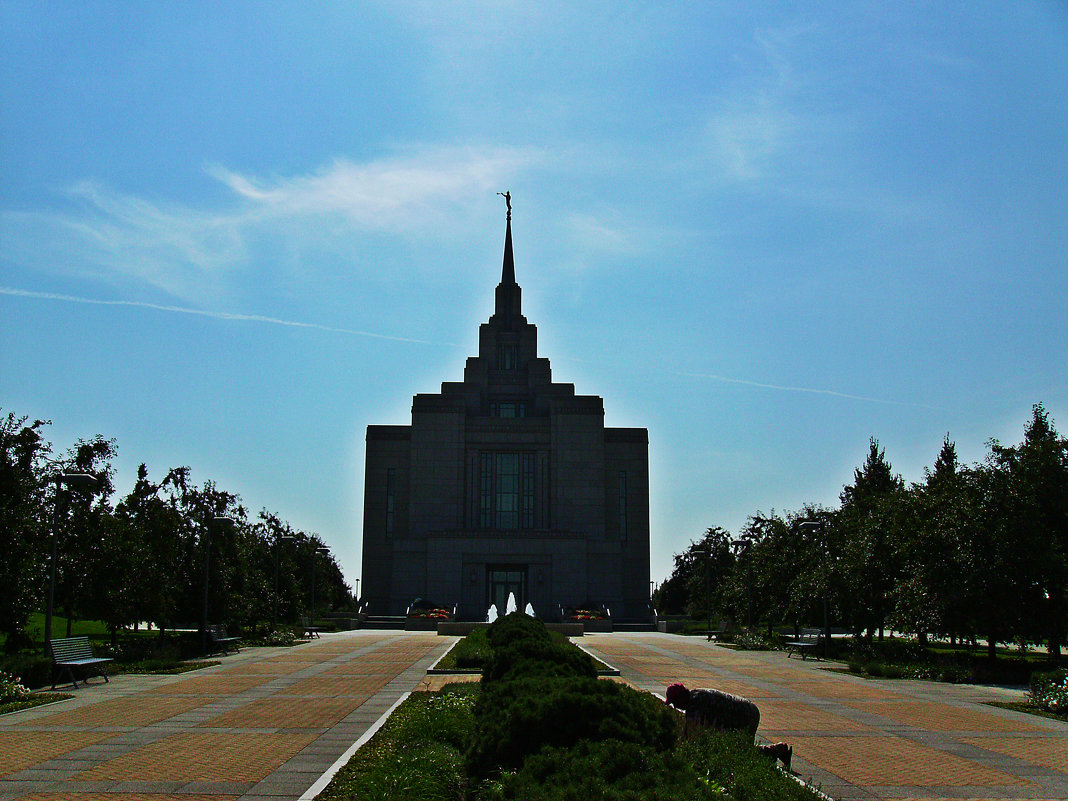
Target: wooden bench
(310, 630)
(808, 641)
(218, 638)
(73, 652)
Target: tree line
(970, 552)
(142, 557)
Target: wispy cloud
(189, 250)
(400, 193)
(215, 315)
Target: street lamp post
(212, 522)
(818, 525)
(277, 541)
(743, 548)
(315, 558)
(708, 590)
(74, 481)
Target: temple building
(507, 482)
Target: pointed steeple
(508, 308)
(508, 269)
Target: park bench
(310, 630)
(218, 638)
(74, 652)
(808, 641)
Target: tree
(941, 515)
(24, 523)
(870, 519)
(1034, 513)
(82, 526)
(684, 591)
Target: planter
(596, 626)
(422, 623)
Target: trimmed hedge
(516, 719)
(538, 691)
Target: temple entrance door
(504, 579)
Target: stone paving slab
(265, 724)
(863, 739)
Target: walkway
(865, 739)
(268, 722)
(263, 725)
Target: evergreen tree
(871, 520)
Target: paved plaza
(269, 722)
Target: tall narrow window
(507, 357)
(391, 491)
(506, 490)
(622, 504)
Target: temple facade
(507, 482)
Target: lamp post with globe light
(81, 481)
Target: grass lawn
(37, 699)
(95, 630)
(1030, 710)
(160, 666)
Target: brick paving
(265, 724)
(864, 739)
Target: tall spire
(509, 295)
(508, 268)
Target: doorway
(502, 580)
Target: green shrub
(516, 626)
(515, 719)
(32, 670)
(728, 761)
(1049, 691)
(606, 771)
(11, 689)
(522, 647)
(755, 641)
(473, 651)
(874, 668)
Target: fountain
(530, 610)
(510, 607)
(491, 614)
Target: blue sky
(233, 235)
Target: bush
(515, 719)
(31, 670)
(728, 761)
(1049, 691)
(522, 647)
(607, 771)
(11, 689)
(538, 690)
(473, 651)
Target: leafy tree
(24, 523)
(82, 526)
(684, 592)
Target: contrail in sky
(251, 318)
(257, 318)
(809, 390)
